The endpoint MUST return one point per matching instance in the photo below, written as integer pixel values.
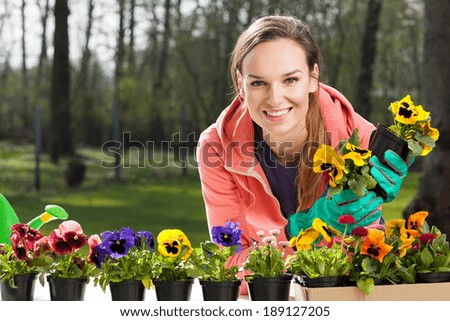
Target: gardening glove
(389, 178)
(365, 210)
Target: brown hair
(309, 184)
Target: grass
(145, 198)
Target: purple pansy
(117, 244)
(148, 239)
(228, 235)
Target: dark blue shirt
(281, 179)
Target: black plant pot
(220, 291)
(127, 290)
(66, 289)
(24, 290)
(173, 290)
(434, 277)
(381, 282)
(320, 282)
(381, 140)
(269, 289)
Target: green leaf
(370, 181)
(354, 139)
(358, 185)
(365, 285)
(426, 258)
(424, 139)
(415, 147)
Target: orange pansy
(374, 245)
(395, 228)
(416, 220)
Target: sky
(104, 30)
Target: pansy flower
(395, 228)
(357, 154)
(228, 235)
(96, 251)
(431, 132)
(374, 245)
(72, 234)
(304, 240)
(28, 235)
(117, 244)
(147, 237)
(326, 159)
(324, 229)
(171, 241)
(406, 244)
(406, 112)
(57, 243)
(416, 220)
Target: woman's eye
(257, 83)
(291, 80)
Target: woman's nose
(275, 95)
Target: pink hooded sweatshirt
(234, 185)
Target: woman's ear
(240, 85)
(314, 85)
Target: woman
(255, 161)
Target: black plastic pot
(66, 289)
(24, 290)
(434, 277)
(269, 289)
(127, 290)
(220, 291)
(173, 290)
(381, 140)
(320, 282)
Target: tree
(60, 122)
(432, 195)
(368, 53)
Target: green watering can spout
(8, 218)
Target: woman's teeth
(277, 113)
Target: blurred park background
(86, 85)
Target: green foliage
(74, 265)
(10, 266)
(169, 268)
(320, 262)
(432, 257)
(137, 265)
(209, 261)
(265, 259)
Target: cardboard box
(398, 292)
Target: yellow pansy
(324, 229)
(395, 228)
(304, 240)
(172, 239)
(326, 159)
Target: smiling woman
(256, 160)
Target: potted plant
(67, 268)
(411, 133)
(18, 264)
(124, 262)
(268, 279)
(217, 278)
(429, 253)
(322, 266)
(171, 265)
(348, 168)
(319, 259)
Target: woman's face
(275, 84)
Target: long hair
(309, 184)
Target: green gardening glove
(365, 210)
(390, 177)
